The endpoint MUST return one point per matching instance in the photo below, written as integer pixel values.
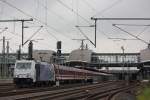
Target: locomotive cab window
(23, 65)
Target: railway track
(6, 87)
(109, 93)
(74, 93)
(6, 84)
(8, 91)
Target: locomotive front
(24, 72)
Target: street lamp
(122, 47)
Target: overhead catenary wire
(48, 11)
(60, 17)
(138, 25)
(130, 34)
(78, 15)
(122, 39)
(84, 35)
(89, 5)
(32, 35)
(50, 31)
(52, 34)
(133, 24)
(38, 20)
(20, 36)
(94, 9)
(72, 10)
(142, 31)
(1, 10)
(36, 7)
(77, 10)
(52, 12)
(108, 8)
(16, 34)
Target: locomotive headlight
(16, 76)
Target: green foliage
(145, 94)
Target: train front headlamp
(16, 76)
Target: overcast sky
(59, 18)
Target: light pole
(122, 47)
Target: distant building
(145, 54)
(81, 55)
(44, 55)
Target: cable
(88, 5)
(52, 34)
(4, 1)
(142, 31)
(1, 10)
(130, 34)
(30, 16)
(32, 35)
(139, 25)
(60, 17)
(84, 35)
(14, 33)
(36, 7)
(122, 39)
(77, 9)
(109, 7)
(132, 25)
(46, 12)
(18, 34)
(80, 17)
(72, 10)
(51, 11)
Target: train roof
(83, 70)
(95, 70)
